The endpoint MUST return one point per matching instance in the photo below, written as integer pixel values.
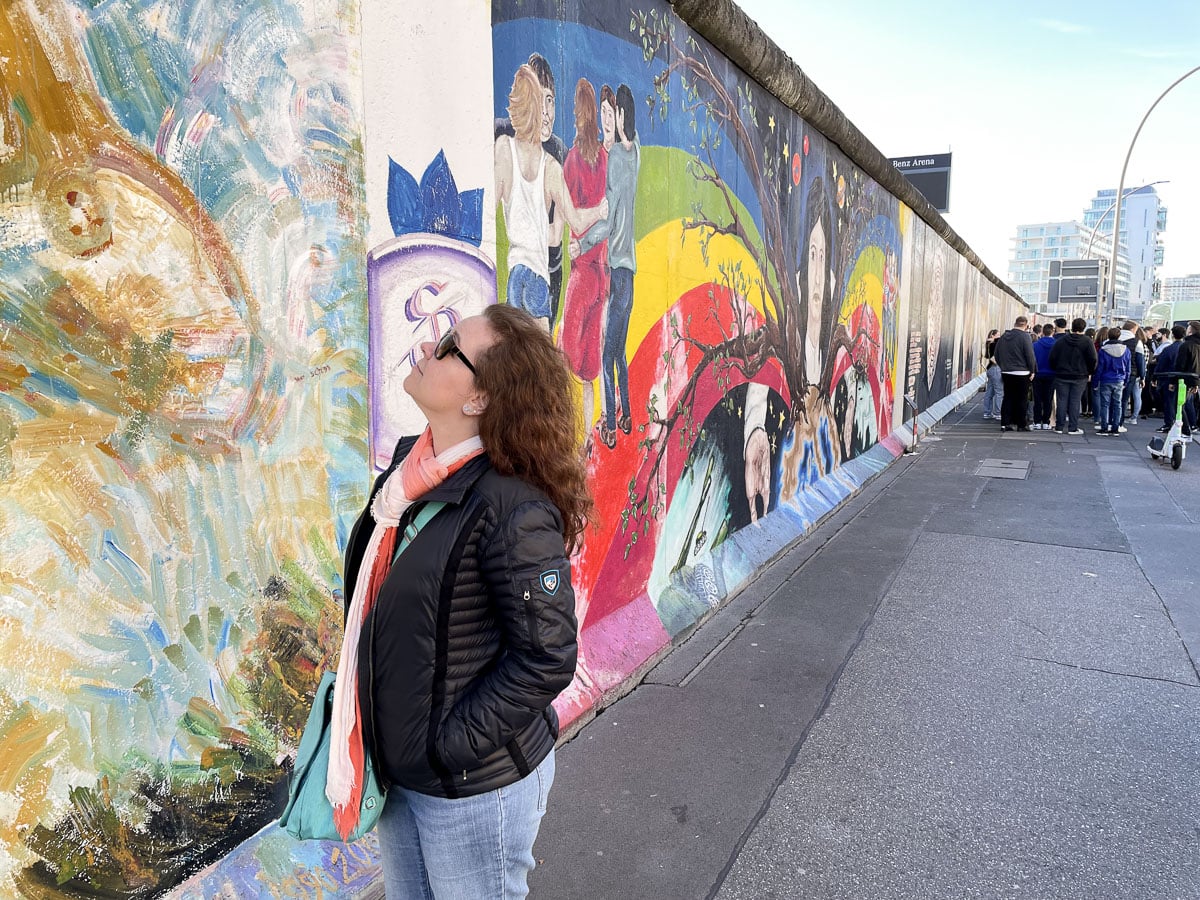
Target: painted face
(817, 273)
(620, 123)
(608, 122)
(547, 113)
(936, 302)
(440, 387)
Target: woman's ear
(475, 405)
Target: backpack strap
(419, 521)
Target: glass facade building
(1035, 246)
(1143, 220)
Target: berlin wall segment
(217, 269)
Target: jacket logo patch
(550, 581)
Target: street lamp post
(1112, 269)
(1087, 254)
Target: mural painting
(193, 396)
(732, 301)
(182, 422)
(419, 285)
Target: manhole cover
(1003, 468)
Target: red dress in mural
(587, 287)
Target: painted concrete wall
(224, 228)
(782, 305)
(183, 421)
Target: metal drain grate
(1004, 468)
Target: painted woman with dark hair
(624, 161)
(814, 281)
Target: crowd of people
(1115, 376)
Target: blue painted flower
(435, 206)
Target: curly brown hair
(532, 424)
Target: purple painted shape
(418, 286)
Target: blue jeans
(993, 397)
(1108, 405)
(478, 847)
(616, 333)
(1132, 397)
(529, 291)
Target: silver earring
(469, 410)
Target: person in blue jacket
(1043, 381)
(1112, 371)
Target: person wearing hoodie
(1132, 396)
(1168, 380)
(1014, 355)
(1187, 362)
(1073, 359)
(1112, 373)
(1043, 381)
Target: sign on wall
(929, 174)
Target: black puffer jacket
(471, 638)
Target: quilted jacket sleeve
(526, 572)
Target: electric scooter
(1173, 444)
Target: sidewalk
(958, 686)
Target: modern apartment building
(1143, 220)
(1186, 287)
(1035, 246)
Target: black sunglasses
(449, 344)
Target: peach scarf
(420, 472)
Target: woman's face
(817, 273)
(440, 387)
(936, 303)
(608, 122)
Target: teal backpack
(309, 814)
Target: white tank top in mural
(525, 217)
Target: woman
(994, 395)
(1086, 401)
(463, 640)
(1141, 369)
(815, 283)
(585, 171)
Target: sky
(1038, 101)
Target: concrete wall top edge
(727, 27)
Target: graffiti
(183, 372)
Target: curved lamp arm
(1116, 241)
